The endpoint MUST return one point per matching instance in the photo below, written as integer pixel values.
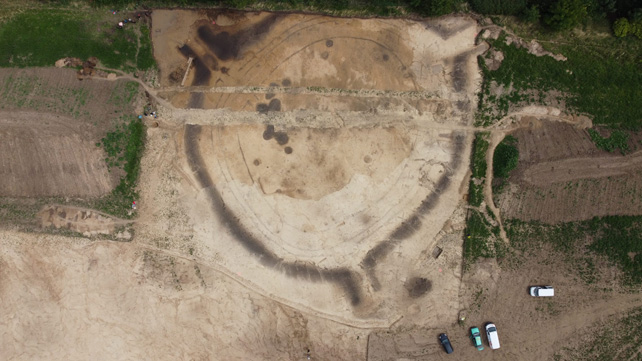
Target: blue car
(443, 338)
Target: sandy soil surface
(303, 194)
(82, 220)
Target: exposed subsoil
(303, 194)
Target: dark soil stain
(273, 106)
(459, 73)
(202, 73)
(418, 287)
(227, 46)
(257, 162)
(262, 108)
(281, 138)
(288, 150)
(329, 43)
(385, 57)
(325, 55)
(342, 277)
(413, 223)
(269, 96)
(286, 82)
(196, 100)
(269, 132)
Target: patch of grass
(617, 140)
(478, 236)
(620, 239)
(478, 167)
(39, 37)
(480, 146)
(475, 194)
(593, 81)
(124, 93)
(145, 59)
(126, 144)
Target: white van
(491, 333)
(542, 291)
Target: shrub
(505, 157)
(531, 14)
(621, 27)
(567, 14)
(498, 7)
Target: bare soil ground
(563, 177)
(303, 195)
(49, 125)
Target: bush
(531, 14)
(567, 14)
(618, 140)
(505, 157)
(621, 27)
(434, 7)
(498, 7)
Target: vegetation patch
(40, 37)
(617, 140)
(617, 238)
(478, 168)
(505, 157)
(478, 238)
(592, 81)
(617, 339)
(124, 147)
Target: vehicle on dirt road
(542, 291)
(475, 335)
(445, 342)
(493, 339)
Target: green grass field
(39, 37)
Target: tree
(531, 14)
(621, 27)
(567, 14)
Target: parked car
(493, 339)
(443, 338)
(542, 291)
(475, 335)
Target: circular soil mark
(281, 138)
(286, 82)
(418, 286)
(324, 55)
(329, 43)
(367, 159)
(385, 57)
(288, 150)
(257, 162)
(269, 132)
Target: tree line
(625, 15)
